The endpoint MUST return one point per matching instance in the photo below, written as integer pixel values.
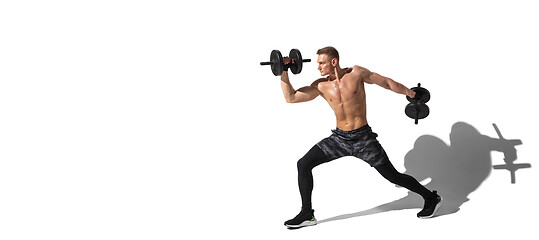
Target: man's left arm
(387, 83)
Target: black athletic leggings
(315, 157)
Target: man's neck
(340, 73)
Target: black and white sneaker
(432, 204)
(303, 219)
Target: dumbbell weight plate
(277, 64)
(419, 109)
(296, 67)
(423, 94)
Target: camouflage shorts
(360, 143)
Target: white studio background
(154, 119)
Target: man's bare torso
(346, 96)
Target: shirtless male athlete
(344, 90)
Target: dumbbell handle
(269, 63)
(417, 115)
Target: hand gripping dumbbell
(417, 109)
(277, 63)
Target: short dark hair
(330, 51)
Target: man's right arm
(303, 94)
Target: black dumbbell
(417, 109)
(278, 66)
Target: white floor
(154, 120)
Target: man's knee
(394, 178)
(389, 173)
(303, 164)
(313, 158)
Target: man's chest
(344, 89)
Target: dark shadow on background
(455, 170)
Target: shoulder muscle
(363, 73)
(316, 82)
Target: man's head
(328, 60)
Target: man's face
(324, 65)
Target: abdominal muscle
(349, 108)
(352, 118)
